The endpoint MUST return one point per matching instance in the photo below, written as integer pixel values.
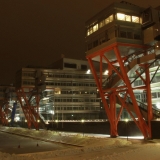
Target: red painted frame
(113, 93)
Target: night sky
(37, 32)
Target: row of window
(130, 35)
(99, 25)
(118, 16)
(75, 99)
(4, 90)
(128, 18)
(59, 91)
(62, 83)
(112, 33)
(72, 108)
(78, 92)
(69, 116)
(156, 79)
(143, 97)
(62, 75)
(74, 66)
(68, 107)
(78, 108)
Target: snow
(87, 147)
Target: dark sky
(37, 32)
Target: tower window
(128, 18)
(121, 16)
(135, 19)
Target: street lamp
(57, 124)
(82, 126)
(127, 127)
(52, 112)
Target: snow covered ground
(92, 148)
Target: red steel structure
(31, 111)
(114, 94)
(29, 99)
(3, 117)
(5, 112)
(123, 38)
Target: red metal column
(142, 124)
(28, 110)
(24, 108)
(3, 118)
(114, 123)
(149, 100)
(109, 110)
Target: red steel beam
(142, 123)
(149, 100)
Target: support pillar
(149, 101)
(142, 124)
(113, 122)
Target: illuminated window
(121, 16)
(111, 18)
(128, 18)
(135, 19)
(90, 31)
(107, 20)
(95, 27)
(101, 24)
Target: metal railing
(143, 106)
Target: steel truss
(3, 117)
(31, 111)
(123, 92)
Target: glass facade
(70, 94)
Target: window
(95, 27)
(111, 18)
(83, 67)
(102, 40)
(135, 19)
(69, 65)
(121, 16)
(128, 18)
(146, 17)
(129, 35)
(101, 24)
(95, 43)
(154, 95)
(136, 83)
(107, 20)
(89, 46)
(123, 34)
(137, 36)
(89, 31)
(24, 82)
